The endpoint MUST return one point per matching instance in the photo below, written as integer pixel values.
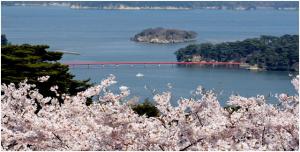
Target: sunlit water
(104, 35)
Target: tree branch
(192, 144)
(263, 136)
(199, 119)
(2, 146)
(60, 139)
(163, 122)
(161, 147)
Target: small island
(163, 36)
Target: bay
(104, 35)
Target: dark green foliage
(163, 34)
(3, 39)
(33, 61)
(146, 108)
(232, 109)
(268, 52)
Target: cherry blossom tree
(198, 123)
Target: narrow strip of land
(152, 62)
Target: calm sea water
(104, 35)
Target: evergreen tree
(146, 108)
(33, 61)
(3, 39)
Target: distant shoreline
(124, 7)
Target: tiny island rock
(162, 35)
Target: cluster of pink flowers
(110, 123)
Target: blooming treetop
(108, 124)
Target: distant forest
(245, 5)
(267, 52)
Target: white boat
(139, 75)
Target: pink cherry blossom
(199, 123)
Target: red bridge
(143, 62)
